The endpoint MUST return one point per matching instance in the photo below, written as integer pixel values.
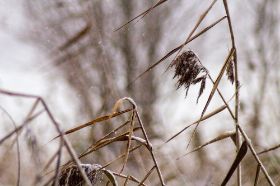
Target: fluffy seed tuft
(187, 70)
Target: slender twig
(213, 113)
(249, 143)
(201, 18)
(239, 127)
(20, 127)
(150, 148)
(255, 155)
(147, 175)
(57, 169)
(131, 178)
(17, 142)
(126, 180)
(239, 169)
(113, 131)
(48, 181)
(64, 138)
(93, 122)
(214, 88)
(128, 141)
(149, 145)
(270, 149)
(120, 156)
(177, 48)
(141, 15)
(105, 142)
(50, 161)
(67, 144)
(257, 175)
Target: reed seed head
(229, 70)
(71, 176)
(189, 70)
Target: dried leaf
(240, 155)
(107, 141)
(93, 122)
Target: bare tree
(98, 64)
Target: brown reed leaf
(95, 121)
(187, 69)
(240, 155)
(107, 141)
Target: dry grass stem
(130, 133)
(141, 15)
(270, 149)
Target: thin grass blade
(218, 110)
(176, 49)
(216, 139)
(270, 149)
(257, 175)
(214, 88)
(76, 37)
(142, 15)
(95, 121)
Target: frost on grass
(189, 70)
(71, 176)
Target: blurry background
(68, 53)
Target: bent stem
(149, 145)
